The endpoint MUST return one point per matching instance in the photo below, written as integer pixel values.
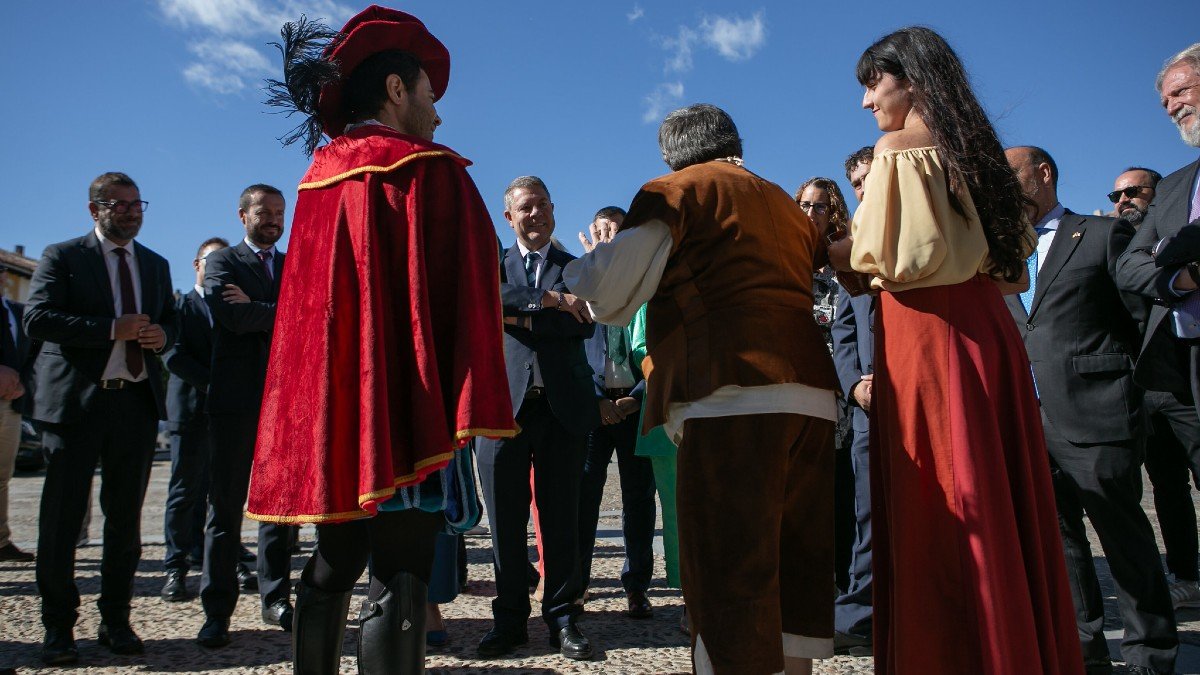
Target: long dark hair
(962, 134)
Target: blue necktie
(1031, 264)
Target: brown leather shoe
(639, 606)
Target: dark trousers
(637, 502)
(232, 441)
(557, 458)
(1172, 464)
(1105, 482)
(852, 609)
(118, 433)
(392, 542)
(187, 496)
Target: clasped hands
(614, 412)
(10, 384)
(138, 327)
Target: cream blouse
(906, 233)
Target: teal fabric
(451, 489)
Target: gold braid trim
(316, 185)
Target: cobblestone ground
(623, 645)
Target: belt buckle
(115, 383)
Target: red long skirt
(969, 570)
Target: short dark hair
(209, 242)
(863, 155)
(696, 134)
(523, 182)
(364, 93)
(1154, 175)
(1040, 156)
(99, 187)
(248, 194)
(609, 212)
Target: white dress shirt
(12, 318)
(1049, 226)
(116, 367)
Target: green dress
(661, 452)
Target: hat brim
(387, 30)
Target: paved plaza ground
(622, 645)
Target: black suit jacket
(554, 338)
(596, 348)
(189, 361)
(241, 342)
(853, 332)
(1081, 333)
(71, 310)
(26, 351)
(1162, 365)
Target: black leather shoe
(639, 606)
(245, 556)
(845, 644)
(1144, 670)
(279, 613)
(499, 642)
(214, 633)
(175, 590)
(572, 643)
(120, 639)
(58, 648)
(10, 553)
(246, 578)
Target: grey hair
(1190, 56)
(523, 182)
(696, 134)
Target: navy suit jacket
(597, 350)
(853, 332)
(241, 342)
(1162, 365)
(26, 351)
(189, 361)
(554, 338)
(71, 310)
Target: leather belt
(116, 384)
(620, 392)
(535, 392)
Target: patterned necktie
(531, 265)
(133, 351)
(615, 347)
(264, 257)
(1031, 263)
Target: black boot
(391, 632)
(318, 625)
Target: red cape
(387, 352)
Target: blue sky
(169, 92)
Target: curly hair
(963, 135)
(839, 215)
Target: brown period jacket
(734, 306)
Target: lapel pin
(1077, 235)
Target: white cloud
(736, 39)
(665, 97)
(636, 14)
(680, 48)
(207, 77)
(226, 66)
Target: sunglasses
(1129, 192)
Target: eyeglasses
(1129, 192)
(121, 206)
(819, 209)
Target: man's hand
(862, 391)
(601, 231)
(128, 326)
(565, 302)
(234, 295)
(152, 337)
(609, 412)
(10, 384)
(628, 405)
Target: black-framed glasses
(816, 207)
(122, 206)
(1129, 192)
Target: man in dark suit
(620, 384)
(557, 406)
(103, 307)
(853, 333)
(241, 286)
(1082, 334)
(188, 361)
(15, 395)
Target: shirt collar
(1050, 220)
(525, 252)
(108, 246)
(199, 289)
(254, 247)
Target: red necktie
(133, 351)
(265, 258)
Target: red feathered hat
(373, 30)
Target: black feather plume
(305, 72)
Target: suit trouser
(10, 442)
(1172, 464)
(118, 434)
(852, 611)
(233, 438)
(1105, 482)
(557, 457)
(637, 502)
(187, 496)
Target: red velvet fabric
(387, 350)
